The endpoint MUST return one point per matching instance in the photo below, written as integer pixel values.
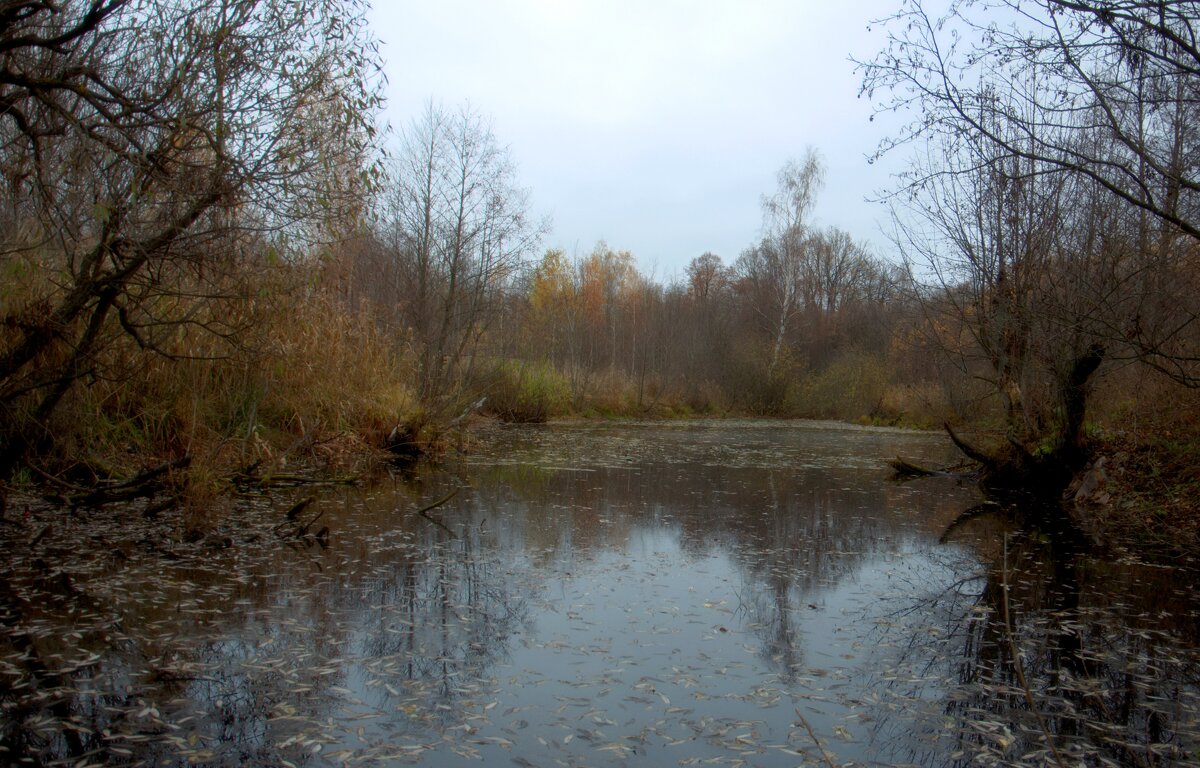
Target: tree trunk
(1071, 448)
(1015, 468)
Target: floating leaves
(662, 608)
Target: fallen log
(144, 483)
(906, 470)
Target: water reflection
(1070, 657)
(654, 594)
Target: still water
(726, 593)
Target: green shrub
(527, 392)
(852, 387)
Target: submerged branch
(812, 734)
(246, 478)
(144, 483)
(906, 470)
(424, 511)
(968, 450)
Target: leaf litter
(684, 601)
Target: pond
(700, 593)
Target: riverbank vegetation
(210, 251)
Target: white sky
(655, 125)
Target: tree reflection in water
(1106, 671)
(248, 657)
(448, 610)
(647, 594)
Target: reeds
(305, 380)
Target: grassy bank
(856, 388)
(304, 383)
(314, 387)
(1143, 497)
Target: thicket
(196, 265)
(177, 178)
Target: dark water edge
(596, 594)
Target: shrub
(754, 386)
(852, 387)
(527, 392)
(309, 380)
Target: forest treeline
(211, 251)
(802, 323)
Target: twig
(55, 479)
(424, 511)
(1017, 666)
(293, 514)
(37, 539)
(812, 734)
(304, 529)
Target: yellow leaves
(553, 285)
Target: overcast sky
(655, 125)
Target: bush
(309, 381)
(754, 387)
(852, 387)
(527, 392)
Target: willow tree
(146, 147)
(1093, 106)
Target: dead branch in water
(812, 734)
(424, 511)
(293, 514)
(144, 483)
(906, 470)
(968, 450)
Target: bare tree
(458, 228)
(986, 233)
(145, 146)
(707, 314)
(835, 274)
(1101, 90)
(706, 276)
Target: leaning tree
(146, 146)
(1059, 170)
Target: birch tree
(775, 268)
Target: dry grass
(309, 383)
(1149, 502)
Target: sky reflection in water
(678, 594)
